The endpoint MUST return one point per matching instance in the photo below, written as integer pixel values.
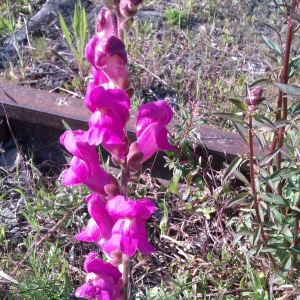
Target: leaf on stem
(268, 158)
(272, 45)
(237, 199)
(284, 173)
(289, 90)
(275, 199)
(239, 104)
(231, 117)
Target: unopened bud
(128, 9)
(134, 157)
(111, 4)
(106, 23)
(127, 24)
(255, 97)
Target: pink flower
(129, 232)
(100, 225)
(107, 124)
(102, 281)
(74, 143)
(88, 173)
(108, 53)
(151, 121)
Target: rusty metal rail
(36, 117)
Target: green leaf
(241, 177)
(76, 21)
(66, 125)
(289, 90)
(275, 199)
(67, 35)
(268, 158)
(233, 166)
(294, 65)
(237, 199)
(295, 250)
(239, 104)
(259, 82)
(284, 173)
(271, 27)
(263, 123)
(174, 181)
(272, 45)
(231, 117)
(242, 131)
(286, 264)
(256, 235)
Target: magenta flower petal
(86, 290)
(102, 280)
(114, 100)
(108, 53)
(92, 175)
(129, 232)
(74, 143)
(118, 207)
(90, 233)
(97, 210)
(107, 123)
(150, 126)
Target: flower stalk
(117, 223)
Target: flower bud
(127, 24)
(111, 4)
(255, 98)
(128, 9)
(134, 157)
(106, 23)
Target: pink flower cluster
(117, 223)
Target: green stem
(255, 200)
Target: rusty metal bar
(37, 117)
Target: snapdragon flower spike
(100, 225)
(129, 232)
(102, 280)
(108, 53)
(107, 123)
(151, 121)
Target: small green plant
(80, 33)
(176, 17)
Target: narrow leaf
(284, 173)
(237, 199)
(242, 131)
(231, 117)
(275, 199)
(239, 104)
(289, 90)
(264, 123)
(272, 45)
(233, 166)
(268, 158)
(295, 250)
